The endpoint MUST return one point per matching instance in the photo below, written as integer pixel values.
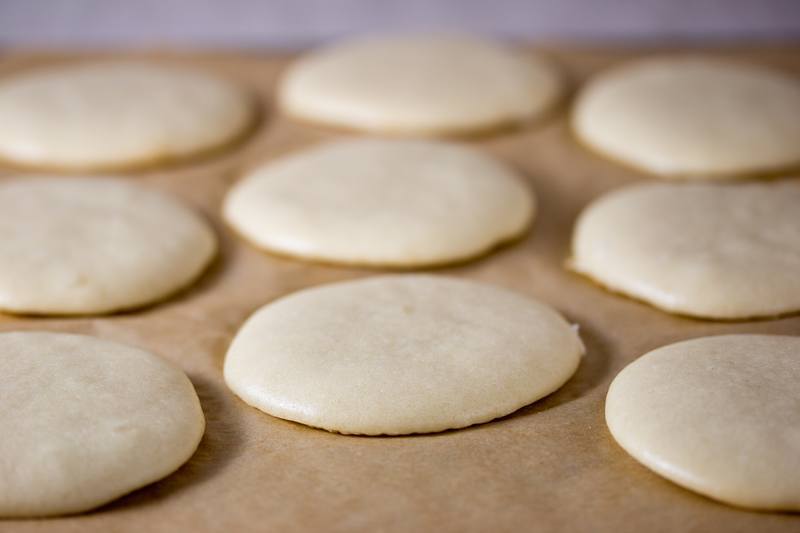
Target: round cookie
(400, 354)
(94, 245)
(717, 415)
(86, 421)
(419, 84)
(706, 250)
(685, 117)
(117, 115)
(398, 203)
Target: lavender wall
(290, 23)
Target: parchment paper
(551, 466)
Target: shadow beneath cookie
(221, 444)
(208, 280)
(216, 268)
(592, 372)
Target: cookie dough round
(398, 203)
(94, 245)
(419, 84)
(717, 415)
(707, 250)
(400, 354)
(685, 117)
(85, 421)
(117, 115)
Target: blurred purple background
(287, 23)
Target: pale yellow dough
(94, 245)
(85, 421)
(400, 354)
(419, 84)
(374, 202)
(717, 415)
(707, 250)
(116, 114)
(692, 116)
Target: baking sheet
(551, 466)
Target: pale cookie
(397, 203)
(686, 117)
(117, 115)
(705, 250)
(400, 354)
(94, 245)
(717, 415)
(419, 84)
(85, 421)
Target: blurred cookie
(86, 421)
(689, 117)
(94, 245)
(398, 203)
(117, 115)
(419, 84)
(706, 250)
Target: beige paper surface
(550, 467)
